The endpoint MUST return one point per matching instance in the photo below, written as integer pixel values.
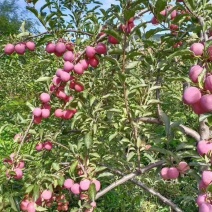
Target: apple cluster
(171, 173)
(19, 48)
(48, 198)
(200, 99)
(203, 200)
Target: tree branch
(157, 194)
(151, 191)
(127, 178)
(188, 131)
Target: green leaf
(105, 174)
(42, 79)
(181, 52)
(23, 26)
(166, 121)
(39, 208)
(112, 136)
(29, 189)
(88, 140)
(55, 166)
(114, 33)
(13, 203)
(152, 32)
(92, 192)
(204, 116)
(132, 65)
(73, 167)
(33, 10)
(36, 192)
(130, 156)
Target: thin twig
(25, 134)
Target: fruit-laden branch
(150, 190)
(188, 131)
(127, 178)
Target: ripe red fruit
(164, 172)
(19, 174)
(197, 49)
(163, 12)
(37, 112)
(46, 195)
(45, 97)
(68, 56)
(75, 189)
(68, 114)
(174, 27)
(207, 177)
(203, 147)
(78, 68)
(205, 207)
(93, 204)
(206, 102)
(45, 113)
(85, 184)
(48, 145)
(84, 64)
(39, 147)
(112, 40)
(194, 72)
(94, 62)
(84, 196)
(9, 49)
(197, 108)
(20, 165)
(208, 83)
(60, 48)
(18, 138)
(202, 187)
(68, 66)
(173, 173)
(30, 45)
(37, 120)
(70, 46)
(50, 48)
(58, 72)
(61, 94)
(101, 48)
(191, 95)
(46, 106)
(90, 51)
(201, 199)
(58, 113)
(31, 207)
(23, 204)
(173, 14)
(97, 184)
(72, 84)
(68, 183)
(56, 80)
(78, 87)
(183, 167)
(65, 76)
(20, 48)
(154, 21)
